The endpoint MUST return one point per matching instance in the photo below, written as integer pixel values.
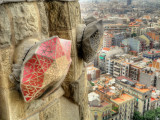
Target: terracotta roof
(138, 20)
(123, 77)
(142, 90)
(104, 104)
(123, 98)
(107, 49)
(153, 99)
(110, 93)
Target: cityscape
(124, 78)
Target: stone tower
(22, 21)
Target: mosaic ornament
(45, 66)
(92, 39)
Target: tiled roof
(107, 49)
(153, 99)
(123, 98)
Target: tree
(150, 115)
(91, 83)
(157, 112)
(133, 35)
(137, 116)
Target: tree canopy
(148, 115)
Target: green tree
(150, 115)
(133, 35)
(157, 112)
(91, 83)
(137, 116)
(115, 108)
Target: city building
(154, 35)
(117, 68)
(147, 77)
(133, 43)
(150, 75)
(109, 66)
(107, 41)
(100, 110)
(152, 54)
(139, 91)
(134, 28)
(117, 39)
(93, 73)
(125, 104)
(129, 2)
(117, 28)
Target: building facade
(139, 91)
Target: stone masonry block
(25, 18)
(4, 111)
(6, 56)
(5, 27)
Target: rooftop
(107, 49)
(153, 99)
(123, 98)
(143, 90)
(137, 86)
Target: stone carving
(90, 40)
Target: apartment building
(150, 76)
(125, 68)
(154, 35)
(100, 110)
(135, 69)
(109, 66)
(147, 77)
(152, 54)
(134, 44)
(117, 68)
(126, 106)
(117, 39)
(93, 73)
(139, 91)
(107, 41)
(116, 28)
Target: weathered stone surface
(5, 28)
(42, 103)
(4, 112)
(58, 15)
(74, 13)
(16, 105)
(53, 112)
(80, 95)
(6, 56)
(61, 109)
(22, 49)
(25, 20)
(34, 117)
(69, 110)
(44, 26)
(78, 92)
